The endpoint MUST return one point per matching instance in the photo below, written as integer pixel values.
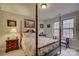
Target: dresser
(11, 44)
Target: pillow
(25, 35)
(42, 34)
(29, 35)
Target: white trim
(74, 31)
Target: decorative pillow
(42, 34)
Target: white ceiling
(25, 9)
(52, 10)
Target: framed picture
(48, 25)
(11, 23)
(41, 25)
(29, 23)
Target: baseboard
(74, 47)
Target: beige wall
(41, 29)
(5, 31)
(11, 16)
(49, 31)
(73, 43)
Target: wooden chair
(65, 42)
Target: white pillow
(25, 35)
(29, 35)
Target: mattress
(44, 41)
(28, 44)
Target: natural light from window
(67, 29)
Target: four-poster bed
(37, 39)
(43, 44)
(36, 45)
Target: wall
(41, 29)
(5, 31)
(73, 43)
(49, 31)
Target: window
(68, 26)
(56, 29)
(67, 29)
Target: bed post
(36, 29)
(60, 32)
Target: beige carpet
(69, 52)
(15, 53)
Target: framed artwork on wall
(11, 23)
(29, 23)
(48, 25)
(41, 25)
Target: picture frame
(48, 25)
(29, 23)
(41, 25)
(11, 23)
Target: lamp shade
(44, 5)
(13, 30)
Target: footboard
(46, 49)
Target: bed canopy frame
(36, 40)
(37, 30)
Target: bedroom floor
(19, 52)
(69, 52)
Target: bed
(45, 45)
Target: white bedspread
(44, 41)
(28, 44)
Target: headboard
(12, 44)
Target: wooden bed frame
(54, 49)
(60, 27)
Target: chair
(66, 42)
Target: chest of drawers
(11, 45)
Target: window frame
(74, 27)
(55, 29)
